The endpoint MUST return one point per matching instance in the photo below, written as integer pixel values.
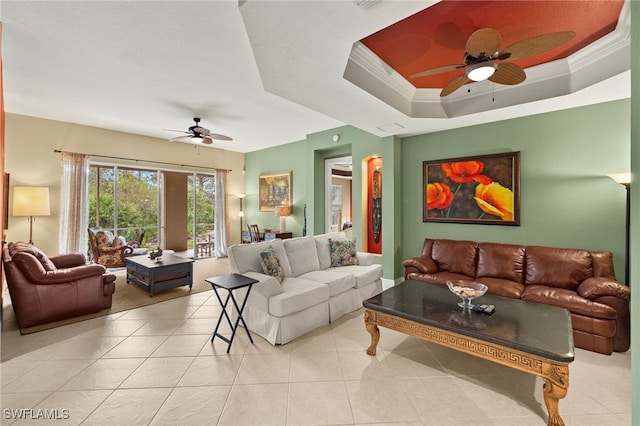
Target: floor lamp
(624, 179)
(241, 214)
(31, 201)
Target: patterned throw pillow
(342, 252)
(119, 241)
(271, 265)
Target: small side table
(231, 282)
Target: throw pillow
(342, 252)
(119, 241)
(270, 264)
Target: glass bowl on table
(467, 291)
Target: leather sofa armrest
(363, 258)
(595, 287)
(267, 285)
(36, 274)
(424, 265)
(68, 260)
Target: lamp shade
(31, 201)
(283, 211)
(622, 178)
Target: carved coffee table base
(555, 374)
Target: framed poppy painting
(483, 189)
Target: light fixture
(336, 138)
(241, 213)
(624, 179)
(283, 212)
(481, 71)
(196, 139)
(31, 201)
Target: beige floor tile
(158, 372)
(192, 406)
(319, 403)
(413, 363)
(360, 366)
(263, 404)
(136, 346)
(315, 366)
(121, 327)
(198, 326)
(84, 347)
(158, 327)
(264, 368)
(380, 401)
(128, 407)
(14, 402)
(187, 345)
(211, 312)
(318, 340)
(212, 370)
(104, 374)
(47, 376)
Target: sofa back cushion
(504, 261)
(455, 256)
(557, 267)
(322, 246)
(246, 257)
(302, 254)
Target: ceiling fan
(483, 59)
(197, 133)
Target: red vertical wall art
(374, 205)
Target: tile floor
(156, 366)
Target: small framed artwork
(274, 190)
(483, 189)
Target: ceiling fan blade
(509, 74)
(454, 85)
(179, 131)
(219, 137)
(207, 140)
(484, 40)
(180, 138)
(439, 70)
(536, 45)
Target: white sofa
(312, 292)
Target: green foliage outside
(137, 199)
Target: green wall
(567, 200)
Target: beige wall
(31, 161)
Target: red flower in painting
(466, 171)
(439, 196)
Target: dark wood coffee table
(527, 336)
(170, 271)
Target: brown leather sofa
(45, 289)
(581, 281)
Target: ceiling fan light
(196, 139)
(481, 72)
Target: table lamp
(31, 201)
(283, 212)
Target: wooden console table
(267, 236)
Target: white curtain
(74, 203)
(221, 216)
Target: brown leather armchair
(109, 250)
(45, 289)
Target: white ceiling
(263, 72)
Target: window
(336, 206)
(124, 201)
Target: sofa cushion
(338, 281)
(568, 299)
(322, 246)
(365, 275)
(504, 261)
(454, 256)
(297, 294)
(21, 247)
(302, 254)
(502, 287)
(557, 267)
(270, 264)
(342, 252)
(246, 257)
